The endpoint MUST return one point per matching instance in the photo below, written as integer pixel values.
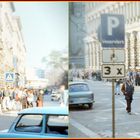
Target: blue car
(39, 122)
(80, 94)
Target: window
(136, 6)
(78, 87)
(57, 124)
(30, 123)
(8, 25)
(130, 10)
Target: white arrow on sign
(113, 70)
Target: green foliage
(56, 59)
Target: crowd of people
(85, 74)
(135, 77)
(17, 98)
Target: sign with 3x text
(113, 70)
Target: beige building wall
(11, 44)
(19, 51)
(131, 12)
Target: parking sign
(112, 31)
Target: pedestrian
(39, 102)
(6, 98)
(61, 91)
(118, 87)
(1, 96)
(131, 75)
(128, 91)
(136, 79)
(30, 98)
(24, 98)
(17, 99)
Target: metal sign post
(113, 97)
(112, 37)
(113, 109)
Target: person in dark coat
(128, 91)
(137, 79)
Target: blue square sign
(9, 77)
(112, 31)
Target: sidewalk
(137, 88)
(9, 113)
(46, 103)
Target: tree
(58, 60)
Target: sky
(44, 27)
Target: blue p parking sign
(112, 31)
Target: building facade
(35, 78)
(93, 49)
(12, 48)
(76, 34)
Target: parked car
(39, 122)
(80, 94)
(55, 96)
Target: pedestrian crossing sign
(9, 76)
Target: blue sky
(45, 28)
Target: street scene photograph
(34, 70)
(104, 69)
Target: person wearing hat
(128, 91)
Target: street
(97, 122)
(8, 117)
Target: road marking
(134, 134)
(84, 129)
(110, 109)
(124, 123)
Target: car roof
(77, 82)
(45, 110)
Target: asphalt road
(97, 122)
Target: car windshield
(30, 123)
(78, 87)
